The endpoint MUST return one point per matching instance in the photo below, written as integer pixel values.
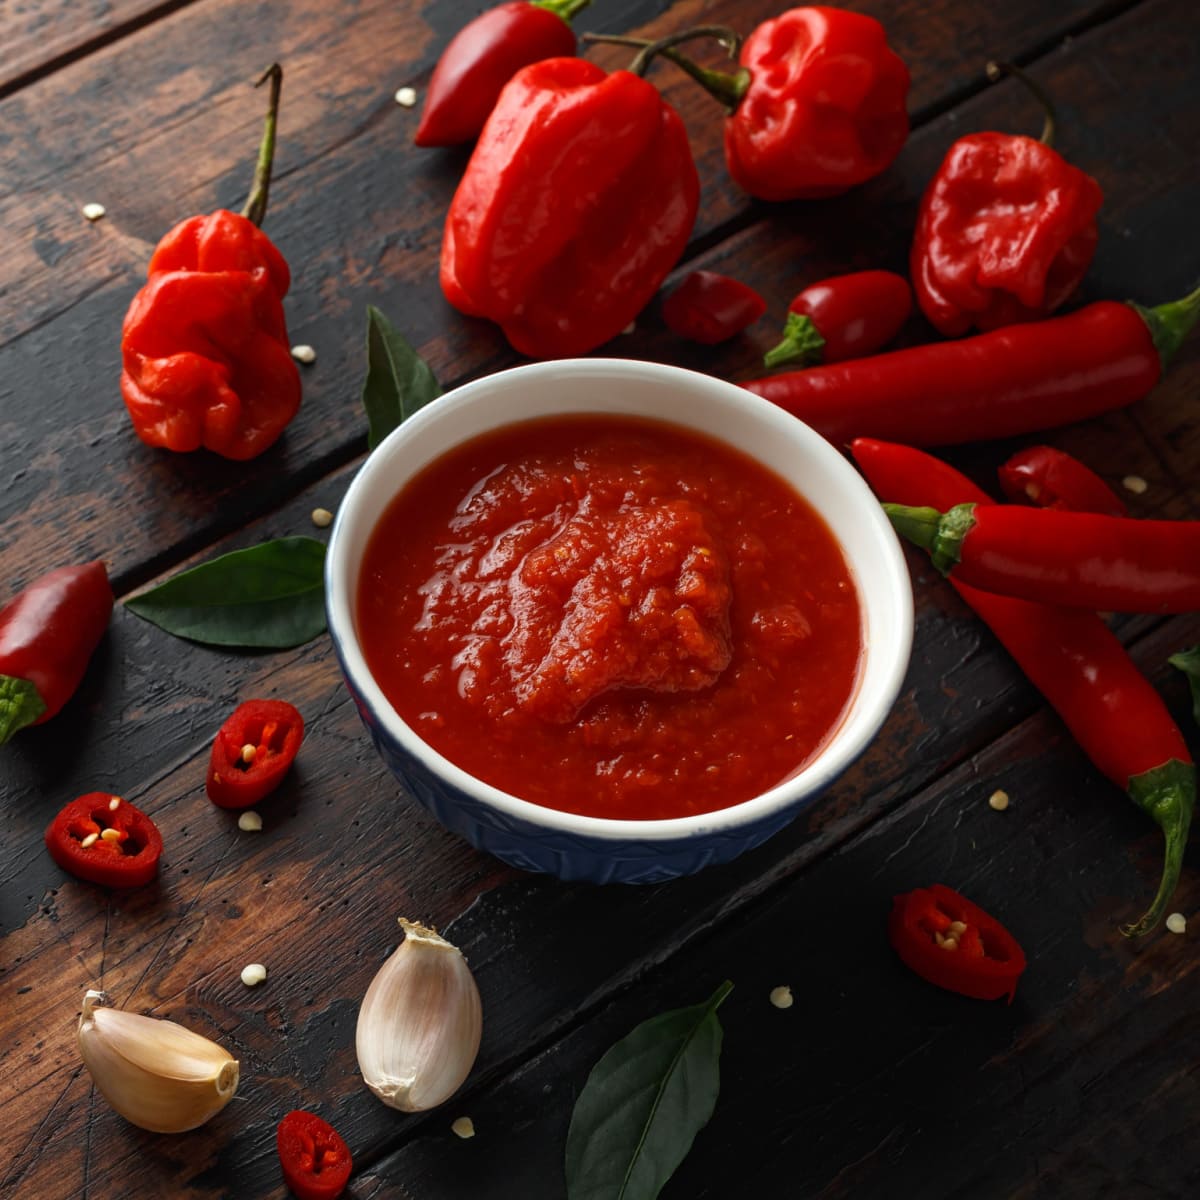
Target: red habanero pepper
(709, 308)
(576, 203)
(483, 56)
(954, 944)
(252, 752)
(1076, 559)
(315, 1160)
(1052, 478)
(999, 384)
(1005, 231)
(204, 347)
(1076, 662)
(105, 840)
(846, 316)
(47, 635)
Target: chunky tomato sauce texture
(611, 617)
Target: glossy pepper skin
(48, 632)
(708, 307)
(825, 106)
(482, 57)
(127, 857)
(1076, 559)
(1051, 478)
(252, 752)
(576, 203)
(315, 1161)
(985, 960)
(1076, 662)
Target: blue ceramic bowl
(564, 844)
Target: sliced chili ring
(315, 1160)
(104, 839)
(252, 752)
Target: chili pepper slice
(954, 944)
(1080, 560)
(48, 632)
(1052, 478)
(315, 1160)
(483, 56)
(104, 839)
(1077, 663)
(253, 751)
(708, 307)
(846, 316)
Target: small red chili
(955, 944)
(846, 316)
(104, 839)
(1052, 478)
(315, 1160)
(253, 751)
(708, 307)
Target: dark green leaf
(644, 1103)
(270, 596)
(398, 381)
(1188, 661)
(20, 704)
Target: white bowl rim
(791, 792)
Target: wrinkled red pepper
(1078, 665)
(253, 751)
(483, 56)
(954, 944)
(104, 839)
(577, 202)
(314, 1159)
(204, 347)
(708, 307)
(1052, 478)
(47, 635)
(1005, 232)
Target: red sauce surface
(611, 617)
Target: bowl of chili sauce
(613, 620)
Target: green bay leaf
(20, 704)
(399, 381)
(1188, 661)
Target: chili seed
(464, 1127)
(90, 840)
(93, 212)
(110, 835)
(781, 997)
(1135, 484)
(950, 944)
(254, 974)
(249, 752)
(114, 804)
(322, 517)
(304, 354)
(250, 821)
(406, 97)
(1177, 923)
(998, 800)
(958, 927)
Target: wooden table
(873, 1084)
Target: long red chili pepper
(1076, 662)
(1010, 381)
(47, 635)
(1052, 478)
(1077, 559)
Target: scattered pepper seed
(464, 1127)
(321, 517)
(998, 800)
(250, 822)
(90, 840)
(1135, 484)
(254, 974)
(114, 804)
(93, 212)
(249, 752)
(1177, 923)
(304, 354)
(110, 835)
(406, 97)
(781, 997)
(630, 327)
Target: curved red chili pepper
(1052, 478)
(1010, 381)
(846, 316)
(708, 307)
(252, 752)
(954, 944)
(1078, 665)
(48, 632)
(314, 1159)
(104, 839)
(483, 56)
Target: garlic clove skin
(155, 1073)
(420, 1023)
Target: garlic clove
(156, 1074)
(420, 1023)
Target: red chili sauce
(611, 616)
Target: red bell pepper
(577, 202)
(105, 840)
(1006, 229)
(846, 316)
(204, 345)
(1052, 478)
(709, 308)
(483, 56)
(1078, 665)
(954, 944)
(47, 635)
(252, 752)
(315, 1160)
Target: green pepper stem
(256, 204)
(1170, 323)
(562, 8)
(940, 533)
(802, 343)
(1168, 794)
(998, 70)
